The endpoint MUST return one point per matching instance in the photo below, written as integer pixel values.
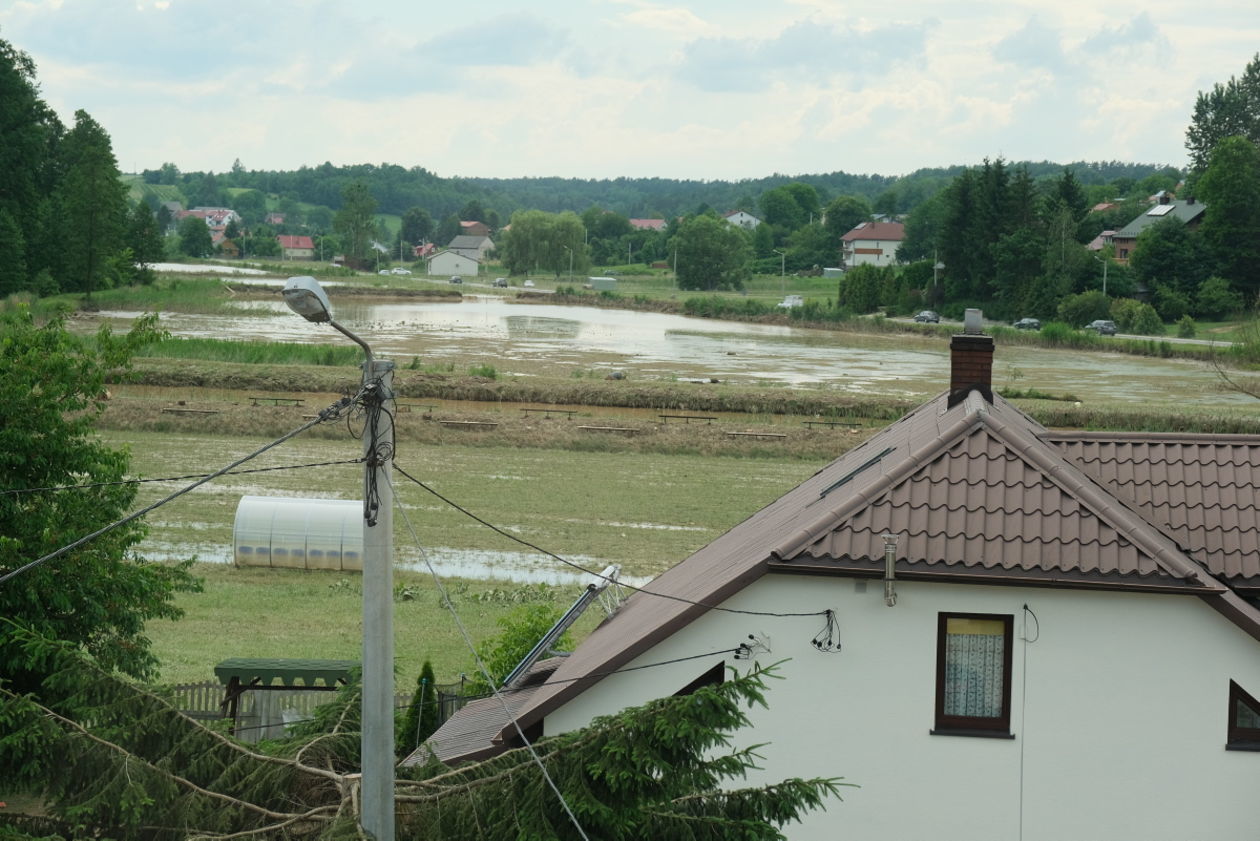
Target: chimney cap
(973, 321)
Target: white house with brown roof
(995, 630)
(872, 244)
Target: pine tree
(112, 759)
(93, 205)
(29, 130)
(421, 719)
(13, 277)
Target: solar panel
(1160, 210)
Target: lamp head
(307, 298)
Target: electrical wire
(481, 666)
(581, 568)
(333, 412)
(90, 485)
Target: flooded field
(644, 513)
(550, 340)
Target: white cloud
(706, 88)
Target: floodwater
(446, 561)
(545, 338)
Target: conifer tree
(111, 759)
(93, 205)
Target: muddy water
(525, 339)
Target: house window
(973, 674)
(1244, 720)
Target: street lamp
(1105, 261)
(782, 268)
(306, 298)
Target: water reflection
(666, 346)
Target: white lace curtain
(973, 674)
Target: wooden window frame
(960, 725)
(1241, 738)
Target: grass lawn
(314, 614)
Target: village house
(872, 244)
(993, 629)
(472, 247)
(452, 263)
(1189, 212)
(473, 228)
(648, 224)
(296, 247)
(741, 219)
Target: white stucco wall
(887, 257)
(1118, 711)
(450, 263)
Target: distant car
(400, 270)
(792, 301)
(1102, 327)
(384, 271)
(456, 279)
(529, 284)
(1027, 324)
(500, 281)
(927, 317)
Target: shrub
(1124, 313)
(1079, 310)
(1216, 299)
(1185, 327)
(486, 371)
(1171, 303)
(1147, 322)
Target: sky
(708, 89)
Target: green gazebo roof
(267, 670)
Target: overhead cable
(333, 412)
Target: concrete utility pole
(307, 298)
(377, 741)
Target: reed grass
(254, 352)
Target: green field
(645, 512)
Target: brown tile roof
(976, 491)
(294, 241)
(1201, 490)
(885, 231)
(648, 224)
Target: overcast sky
(713, 89)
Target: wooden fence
(201, 701)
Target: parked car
(529, 284)
(1102, 327)
(384, 271)
(928, 317)
(792, 301)
(500, 281)
(1028, 324)
(456, 279)
(400, 270)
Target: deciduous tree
(1231, 223)
(711, 254)
(1229, 109)
(355, 222)
(98, 597)
(194, 237)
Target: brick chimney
(970, 361)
